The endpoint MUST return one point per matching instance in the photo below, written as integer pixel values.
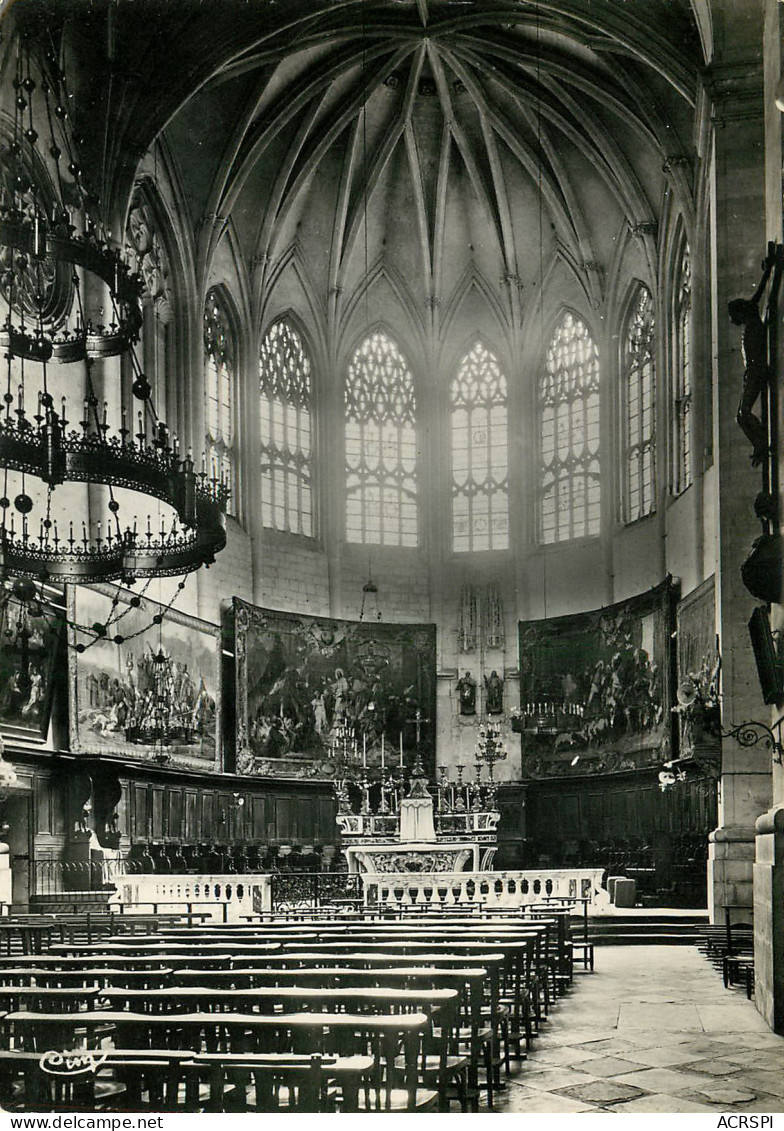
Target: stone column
(769, 918)
(734, 82)
(769, 861)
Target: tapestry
(696, 619)
(697, 696)
(304, 681)
(596, 688)
(30, 640)
(156, 695)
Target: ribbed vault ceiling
(466, 132)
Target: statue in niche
(763, 570)
(754, 345)
(494, 694)
(466, 691)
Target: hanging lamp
(46, 263)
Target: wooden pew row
(509, 1024)
(397, 1043)
(361, 987)
(171, 1080)
(81, 975)
(217, 953)
(512, 952)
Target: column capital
(735, 89)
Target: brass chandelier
(47, 262)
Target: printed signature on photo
(78, 1062)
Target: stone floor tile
(604, 1045)
(725, 1015)
(660, 1103)
(763, 1041)
(611, 1066)
(568, 1035)
(566, 1055)
(601, 1092)
(770, 1082)
(703, 1049)
(664, 1080)
(763, 1103)
(549, 1079)
(755, 1058)
(662, 1018)
(521, 1100)
(724, 1094)
(712, 1067)
(658, 1057)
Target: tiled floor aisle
(652, 1030)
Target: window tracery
(381, 457)
(638, 387)
(569, 418)
(219, 383)
(681, 390)
(286, 445)
(480, 484)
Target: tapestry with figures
(697, 692)
(143, 690)
(30, 641)
(304, 683)
(596, 688)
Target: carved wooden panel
(158, 828)
(142, 813)
(259, 827)
(191, 816)
(208, 821)
(184, 813)
(284, 818)
(174, 823)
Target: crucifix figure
(418, 770)
(754, 345)
(418, 722)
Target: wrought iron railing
(298, 891)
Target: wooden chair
(281, 1081)
(26, 1086)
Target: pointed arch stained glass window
(381, 455)
(638, 390)
(681, 386)
(480, 484)
(569, 477)
(285, 391)
(219, 373)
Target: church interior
(391, 675)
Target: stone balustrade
(507, 889)
(228, 898)
(223, 898)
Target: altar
(410, 833)
(395, 856)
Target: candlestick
(364, 751)
(382, 751)
(401, 750)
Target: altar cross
(418, 722)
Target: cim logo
(79, 1062)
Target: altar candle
(382, 751)
(364, 751)
(401, 750)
